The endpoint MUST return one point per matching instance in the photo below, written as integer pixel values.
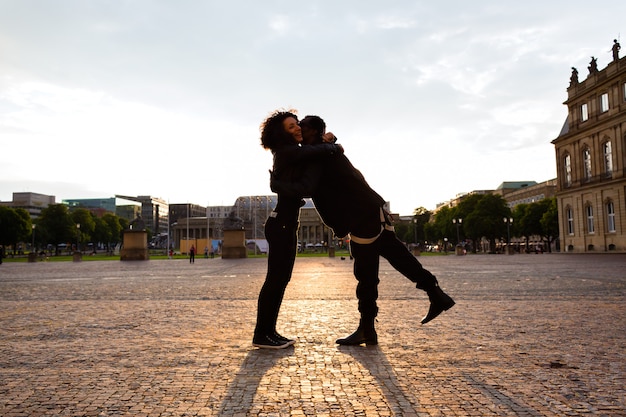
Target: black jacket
(343, 198)
(290, 167)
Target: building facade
(126, 209)
(591, 160)
(154, 212)
(529, 192)
(33, 203)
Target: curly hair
(273, 133)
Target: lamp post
(187, 238)
(209, 244)
(508, 221)
(256, 204)
(32, 245)
(457, 222)
(77, 237)
(415, 229)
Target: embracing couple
(307, 163)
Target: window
(604, 102)
(567, 167)
(608, 159)
(589, 211)
(570, 221)
(584, 113)
(587, 164)
(624, 91)
(610, 217)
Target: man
(348, 205)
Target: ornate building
(591, 160)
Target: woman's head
(280, 128)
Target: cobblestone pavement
(531, 335)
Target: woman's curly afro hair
(273, 133)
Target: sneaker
(278, 337)
(269, 342)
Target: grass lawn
(155, 256)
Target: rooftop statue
(573, 79)
(593, 66)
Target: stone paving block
(531, 335)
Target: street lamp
(458, 223)
(77, 237)
(256, 204)
(508, 221)
(415, 229)
(32, 245)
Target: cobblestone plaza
(530, 335)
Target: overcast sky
(164, 98)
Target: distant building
(179, 211)
(33, 203)
(527, 192)
(591, 158)
(459, 197)
(121, 207)
(154, 212)
(514, 192)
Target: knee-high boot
(366, 333)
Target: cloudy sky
(164, 98)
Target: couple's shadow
(241, 393)
(239, 397)
(376, 362)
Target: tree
(57, 224)
(101, 233)
(435, 231)
(421, 217)
(124, 223)
(404, 231)
(462, 211)
(15, 226)
(486, 219)
(532, 220)
(521, 226)
(550, 221)
(84, 218)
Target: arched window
(587, 164)
(610, 216)
(589, 213)
(567, 170)
(569, 213)
(608, 158)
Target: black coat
(290, 169)
(343, 198)
(345, 201)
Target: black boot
(364, 334)
(439, 302)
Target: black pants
(366, 267)
(282, 239)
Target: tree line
(57, 225)
(480, 216)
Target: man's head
(313, 128)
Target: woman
(281, 134)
